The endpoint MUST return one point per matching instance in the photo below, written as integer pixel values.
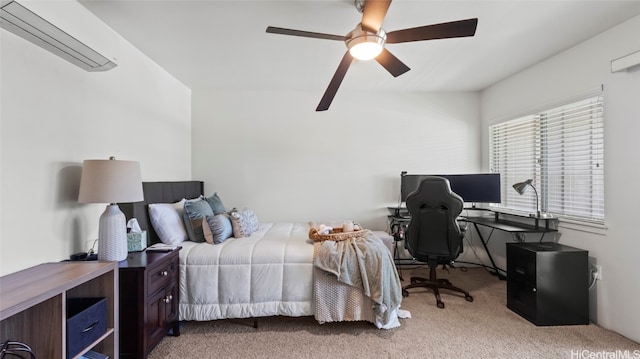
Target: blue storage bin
(86, 322)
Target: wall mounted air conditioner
(626, 62)
(65, 28)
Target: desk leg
(396, 258)
(484, 244)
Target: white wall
(271, 152)
(55, 115)
(614, 300)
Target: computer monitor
(473, 188)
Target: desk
(398, 225)
(515, 228)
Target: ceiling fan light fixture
(365, 50)
(364, 45)
(367, 41)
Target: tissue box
(137, 242)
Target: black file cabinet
(548, 283)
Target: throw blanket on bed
(364, 262)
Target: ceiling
(222, 45)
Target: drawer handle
(164, 273)
(520, 271)
(167, 299)
(93, 325)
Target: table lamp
(521, 187)
(111, 181)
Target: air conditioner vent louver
(19, 18)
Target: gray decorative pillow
(243, 222)
(217, 228)
(194, 213)
(216, 204)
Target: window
(562, 150)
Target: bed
(269, 273)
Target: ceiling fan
(367, 41)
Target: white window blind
(562, 150)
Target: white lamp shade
(110, 181)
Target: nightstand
(149, 297)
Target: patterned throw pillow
(250, 220)
(243, 222)
(217, 228)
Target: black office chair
(434, 235)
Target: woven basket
(337, 234)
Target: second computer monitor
(473, 188)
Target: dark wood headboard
(159, 192)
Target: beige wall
(55, 115)
(270, 151)
(613, 300)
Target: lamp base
(112, 235)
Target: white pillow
(166, 220)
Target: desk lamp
(521, 187)
(111, 181)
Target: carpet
(484, 328)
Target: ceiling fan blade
(391, 63)
(373, 14)
(445, 30)
(316, 35)
(331, 90)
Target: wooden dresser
(149, 297)
(33, 305)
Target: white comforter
(269, 273)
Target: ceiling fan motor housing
(359, 39)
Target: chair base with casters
(435, 284)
